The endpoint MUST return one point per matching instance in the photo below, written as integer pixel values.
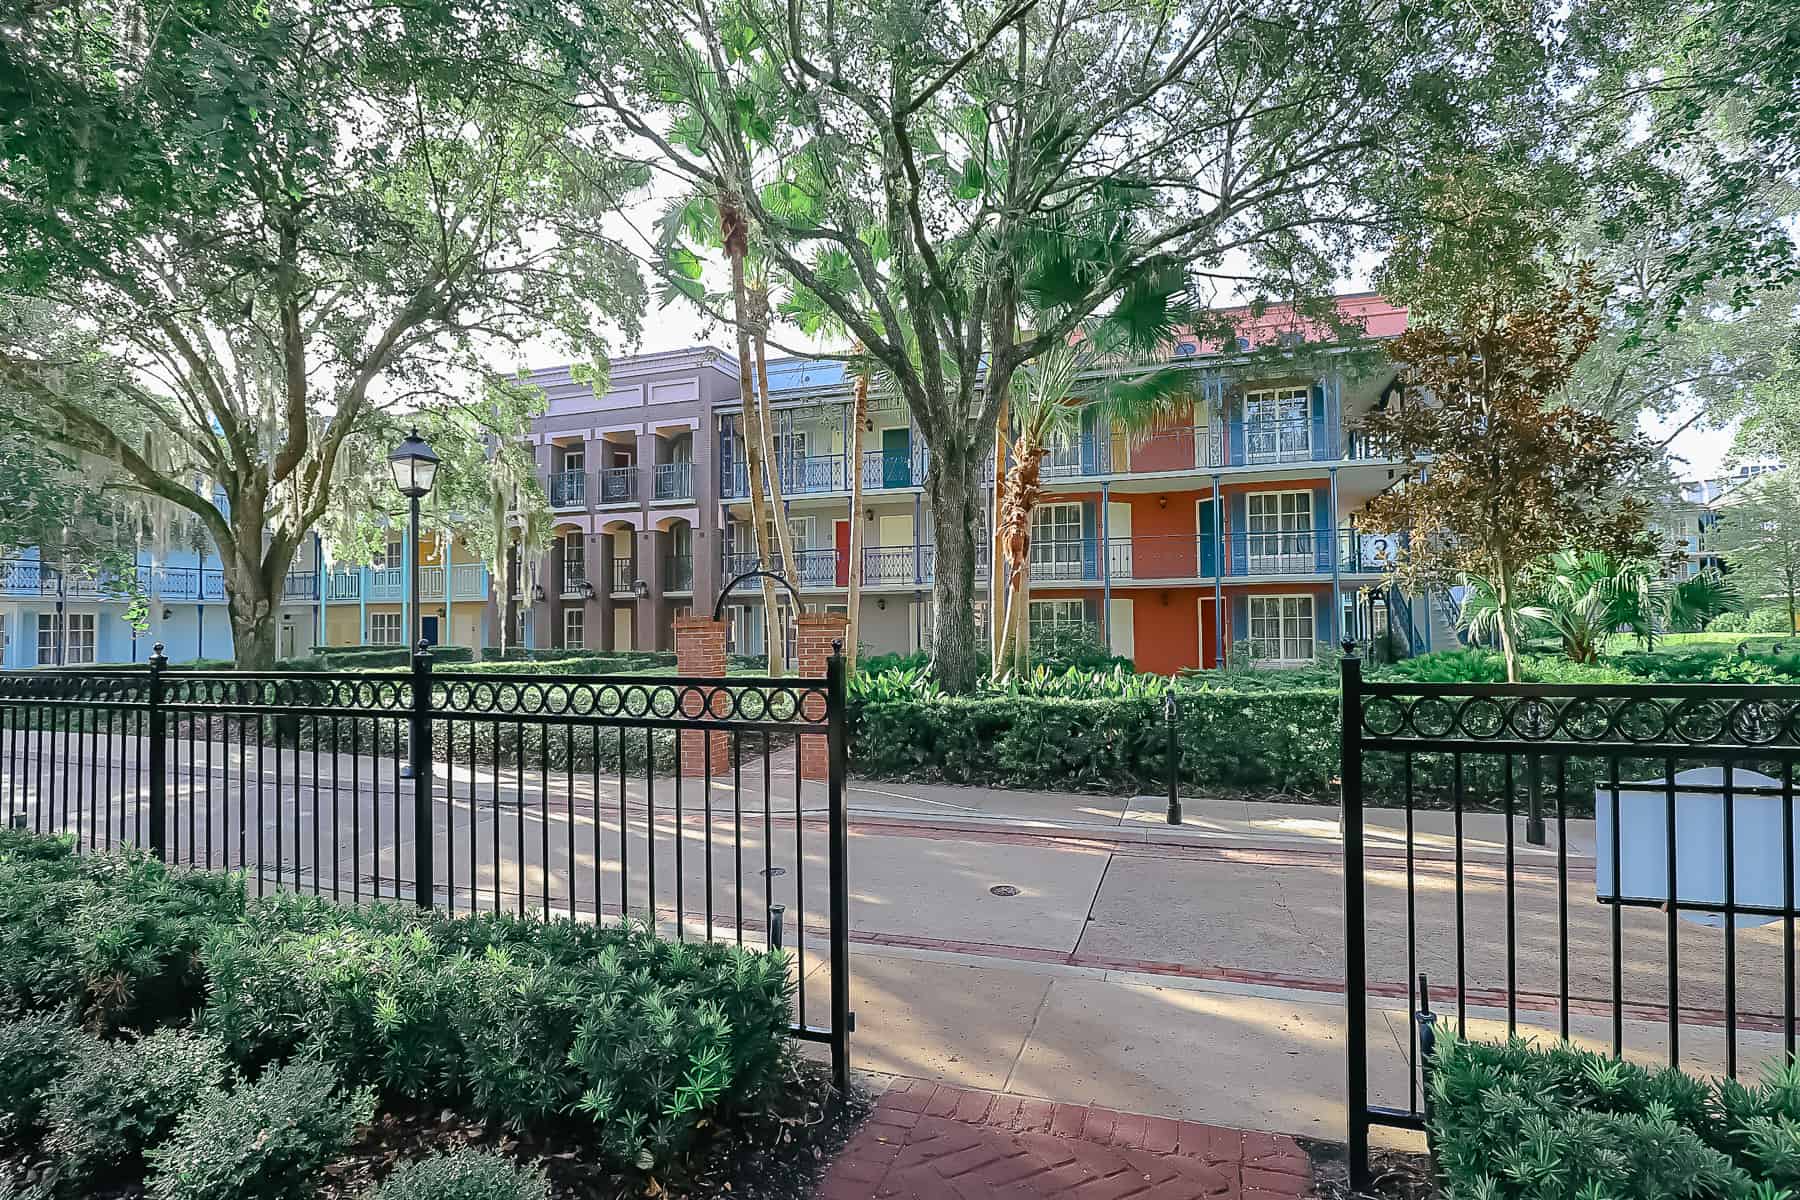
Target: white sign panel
(1699, 843)
(1377, 551)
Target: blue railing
(673, 481)
(33, 577)
(568, 489)
(618, 485)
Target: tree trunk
(1508, 650)
(1020, 500)
(253, 600)
(735, 235)
(784, 537)
(859, 415)
(955, 498)
(996, 566)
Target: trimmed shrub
(464, 1175)
(1513, 1120)
(35, 1052)
(118, 1099)
(262, 1141)
(115, 936)
(515, 1018)
(1264, 741)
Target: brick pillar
(817, 634)
(700, 652)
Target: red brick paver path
(927, 1141)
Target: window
(77, 645)
(1056, 542)
(393, 556)
(1281, 628)
(1278, 425)
(574, 460)
(574, 562)
(1280, 533)
(574, 628)
(1052, 614)
(384, 629)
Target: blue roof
(803, 374)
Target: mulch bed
(777, 1153)
(1397, 1174)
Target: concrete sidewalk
(1204, 819)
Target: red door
(843, 553)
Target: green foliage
(119, 1099)
(115, 937)
(1514, 1120)
(1074, 647)
(260, 1141)
(35, 1052)
(518, 1019)
(1276, 741)
(464, 1175)
(1768, 619)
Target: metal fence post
(836, 711)
(1172, 747)
(1355, 967)
(419, 742)
(159, 757)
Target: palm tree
(734, 232)
(1583, 597)
(1121, 397)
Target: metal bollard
(776, 911)
(1172, 764)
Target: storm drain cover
(772, 872)
(1003, 890)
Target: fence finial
(1349, 646)
(157, 657)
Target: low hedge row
(634, 1042)
(1264, 741)
(1516, 1122)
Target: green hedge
(1264, 741)
(633, 1042)
(1516, 1122)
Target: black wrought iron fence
(676, 802)
(1612, 864)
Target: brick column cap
(823, 620)
(692, 621)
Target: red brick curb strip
(928, 1141)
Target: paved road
(1067, 947)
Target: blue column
(408, 616)
(1105, 569)
(1337, 560)
(918, 567)
(1218, 577)
(362, 606)
(321, 580)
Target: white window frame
(1053, 614)
(46, 639)
(1054, 555)
(392, 556)
(1286, 623)
(1282, 539)
(386, 628)
(81, 637)
(574, 565)
(574, 628)
(1278, 425)
(575, 460)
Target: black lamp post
(414, 464)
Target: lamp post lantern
(414, 464)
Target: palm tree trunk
(996, 571)
(1023, 490)
(1509, 651)
(859, 414)
(758, 296)
(736, 238)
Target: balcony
(1206, 448)
(574, 581)
(468, 581)
(386, 583)
(624, 576)
(673, 481)
(678, 573)
(619, 485)
(300, 585)
(568, 489)
(344, 585)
